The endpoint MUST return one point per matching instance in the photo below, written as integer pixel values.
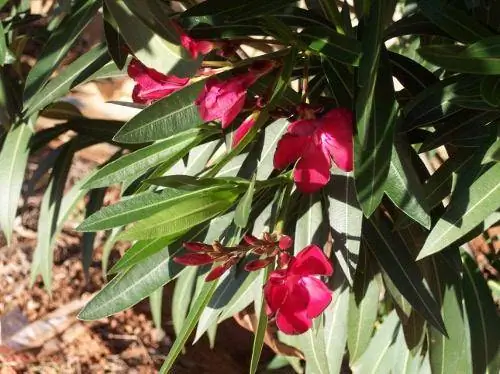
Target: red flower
(223, 100)
(315, 142)
(295, 295)
(151, 85)
(244, 128)
(195, 47)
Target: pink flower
(195, 47)
(223, 100)
(315, 142)
(295, 295)
(151, 85)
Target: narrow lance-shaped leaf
(182, 217)
(168, 116)
(346, 220)
(58, 46)
(181, 297)
(13, 158)
(82, 69)
(167, 151)
(398, 263)
(380, 354)
(468, 208)
(245, 205)
(483, 317)
(403, 185)
(373, 148)
(150, 48)
(155, 304)
(453, 21)
(363, 305)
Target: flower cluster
(312, 142)
(294, 293)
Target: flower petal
(275, 292)
(289, 149)
(293, 323)
(311, 261)
(292, 317)
(243, 129)
(234, 105)
(303, 127)
(338, 134)
(194, 259)
(258, 264)
(312, 171)
(319, 296)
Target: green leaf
(466, 125)
(201, 301)
(485, 61)
(167, 151)
(53, 213)
(453, 21)
(58, 46)
(436, 102)
(310, 228)
(244, 206)
(182, 216)
(448, 354)
(411, 74)
(439, 184)
(260, 330)
(380, 354)
(346, 219)
(227, 11)
(403, 185)
(107, 248)
(493, 153)
(13, 158)
(150, 48)
(3, 45)
(244, 295)
(363, 305)
(114, 41)
(133, 285)
(141, 250)
(490, 90)
(312, 344)
(83, 69)
(415, 24)
(272, 134)
(373, 143)
(95, 201)
(155, 304)
(168, 116)
(483, 317)
(398, 263)
(468, 208)
(283, 80)
(181, 297)
(328, 43)
(144, 205)
(340, 81)
(336, 317)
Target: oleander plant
(279, 166)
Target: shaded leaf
(13, 158)
(181, 297)
(468, 208)
(155, 305)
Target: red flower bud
(252, 240)
(216, 272)
(194, 259)
(197, 246)
(283, 259)
(285, 242)
(258, 264)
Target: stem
(285, 198)
(332, 14)
(305, 83)
(216, 64)
(252, 41)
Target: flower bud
(285, 242)
(258, 264)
